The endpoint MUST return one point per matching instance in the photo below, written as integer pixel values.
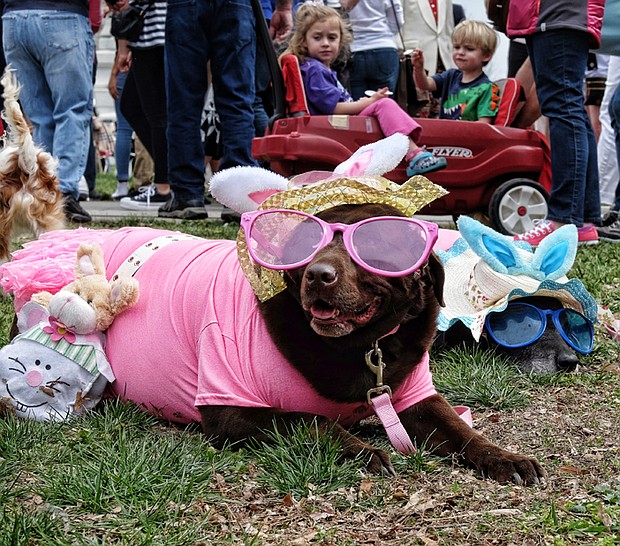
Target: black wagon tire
(517, 204)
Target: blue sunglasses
(522, 324)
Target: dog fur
(30, 199)
(362, 307)
(549, 354)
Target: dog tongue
(322, 312)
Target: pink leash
(380, 397)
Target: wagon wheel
(516, 204)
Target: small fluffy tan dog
(30, 199)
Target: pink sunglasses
(386, 245)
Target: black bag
(497, 12)
(128, 24)
(409, 97)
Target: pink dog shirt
(196, 336)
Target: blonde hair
(476, 33)
(307, 15)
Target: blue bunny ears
(552, 259)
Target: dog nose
(567, 360)
(322, 273)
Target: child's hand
(417, 59)
(379, 94)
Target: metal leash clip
(377, 369)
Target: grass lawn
(118, 476)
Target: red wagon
(497, 170)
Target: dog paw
(507, 467)
(379, 462)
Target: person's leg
(90, 171)
(131, 108)
(68, 64)
(186, 55)
(393, 119)
(383, 66)
(261, 98)
(610, 230)
(21, 43)
(143, 171)
(233, 60)
(609, 175)
(614, 113)
(122, 145)
(357, 74)
(592, 201)
(559, 61)
(148, 66)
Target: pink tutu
(46, 264)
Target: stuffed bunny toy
(57, 366)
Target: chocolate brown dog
(324, 323)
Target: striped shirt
(154, 31)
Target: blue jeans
(52, 53)
(373, 69)
(559, 59)
(262, 86)
(124, 132)
(197, 31)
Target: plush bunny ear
(244, 188)
(556, 253)
(89, 260)
(495, 249)
(376, 158)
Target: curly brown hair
(308, 14)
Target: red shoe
(534, 236)
(586, 235)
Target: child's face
(469, 58)
(323, 40)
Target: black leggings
(143, 103)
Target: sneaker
(610, 218)
(148, 198)
(193, 209)
(534, 236)
(425, 162)
(74, 211)
(586, 235)
(610, 232)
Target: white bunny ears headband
(356, 181)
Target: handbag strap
(400, 32)
(144, 6)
